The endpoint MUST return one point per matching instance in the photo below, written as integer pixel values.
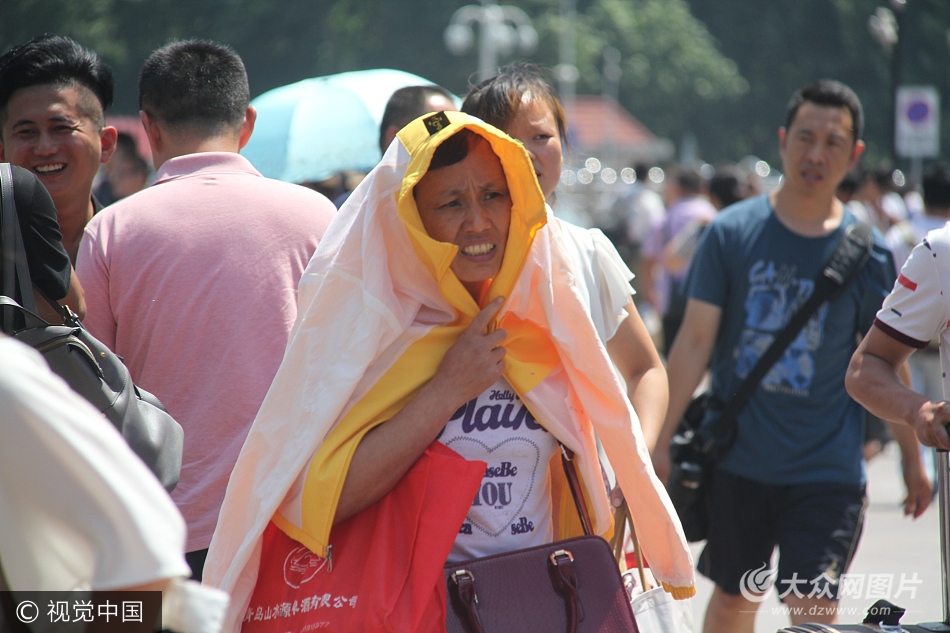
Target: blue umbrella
(315, 128)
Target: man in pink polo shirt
(193, 280)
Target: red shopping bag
(386, 561)
(631, 560)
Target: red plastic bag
(386, 561)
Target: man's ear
(859, 148)
(154, 135)
(247, 127)
(391, 133)
(108, 140)
(782, 138)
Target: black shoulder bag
(88, 366)
(708, 428)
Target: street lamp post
(610, 97)
(566, 70)
(885, 26)
(502, 29)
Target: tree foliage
(782, 45)
(88, 21)
(719, 69)
(670, 62)
(673, 68)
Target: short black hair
(453, 150)
(642, 171)
(851, 181)
(497, 100)
(937, 187)
(128, 150)
(829, 93)
(406, 105)
(729, 184)
(883, 175)
(195, 84)
(689, 180)
(125, 144)
(56, 60)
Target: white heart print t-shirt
(512, 509)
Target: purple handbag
(572, 585)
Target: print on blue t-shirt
(775, 294)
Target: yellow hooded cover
(378, 308)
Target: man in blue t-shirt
(795, 476)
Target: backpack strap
(16, 271)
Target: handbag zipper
(71, 339)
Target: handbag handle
(31, 318)
(623, 518)
(565, 581)
(570, 471)
(464, 582)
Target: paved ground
(892, 545)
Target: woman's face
(536, 127)
(468, 204)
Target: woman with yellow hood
(440, 307)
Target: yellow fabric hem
(291, 530)
(680, 593)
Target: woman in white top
(522, 102)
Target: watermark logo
(69, 610)
(27, 612)
(756, 584)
